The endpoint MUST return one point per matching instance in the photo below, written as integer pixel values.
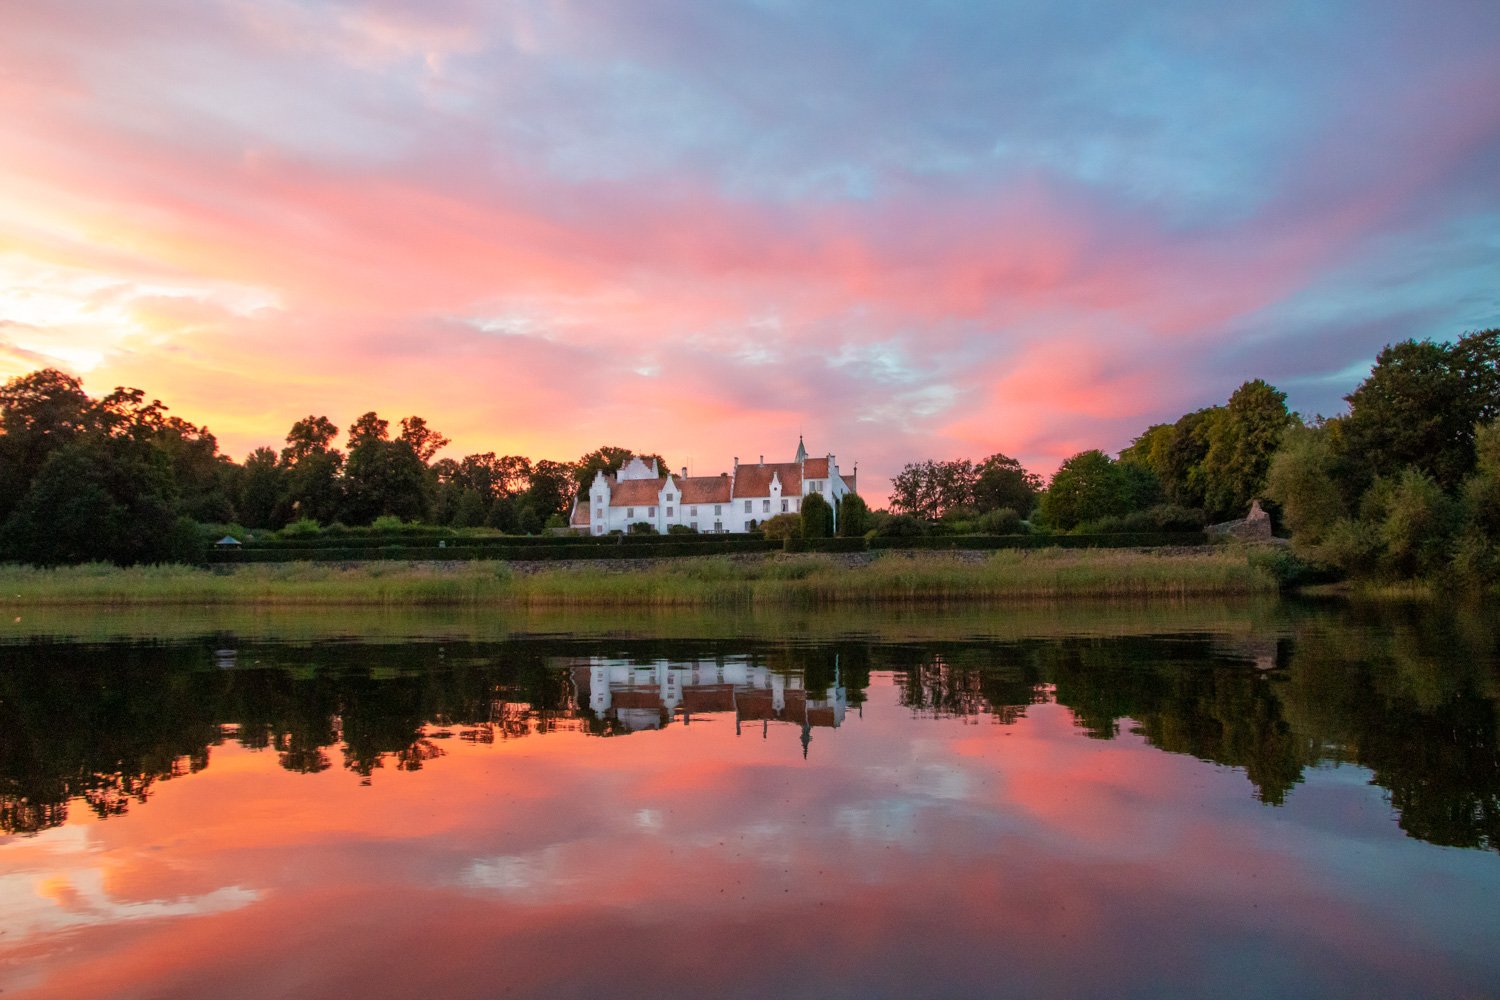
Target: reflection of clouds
(36, 903)
(522, 874)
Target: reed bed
(710, 582)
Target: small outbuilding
(227, 542)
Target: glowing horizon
(904, 233)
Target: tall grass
(805, 581)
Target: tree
(309, 436)
(817, 517)
(932, 489)
(854, 516)
(549, 492)
(423, 440)
(1000, 482)
(97, 498)
(1175, 453)
(369, 427)
(258, 490)
(1086, 487)
(1300, 479)
(39, 413)
(1240, 445)
(314, 489)
(383, 478)
(1419, 407)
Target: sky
(905, 231)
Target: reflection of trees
(1412, 696)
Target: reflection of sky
(909, 230)
(904, 852)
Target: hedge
(461, 553)
(1122, 540)
(486, 541)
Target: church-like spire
(801, 451)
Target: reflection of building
(648, 696)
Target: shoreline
(775, 579)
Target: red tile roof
(704, 489)
(755, 480)
(815, 468)
(849, 482)
(636, 493)
(580, 513)
(635, 698)
(708, 698)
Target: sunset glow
(904, 232)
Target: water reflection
(1413, 698)
(1121, 812)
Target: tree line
(119, 478)
(1404, 484)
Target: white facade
(734, 501)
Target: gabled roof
(815, 468)
(580, 518)
(755, 480)
(636, 493)
(704, 489)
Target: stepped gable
(704, 489)
(636, 493)
(755, 480)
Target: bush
(680, 529)
(386, 522)
(1005, 521)
(642, 528)
(900, 526)
(783, 526)
(304, 527)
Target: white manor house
(731, 501)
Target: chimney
(736, 463)
(762, 460)
(684, 472)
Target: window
(765, 506)
(669, 511)
(669, 498)
(693, 511)
(630, 512)
(651, 512)
(599, 514)
(598, 529)
(784, 505)
(718, 525)
(747, 506)
(718, 508)
(694, 526)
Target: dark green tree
(1419, 407)
(1087, 486)
(817, 517)
(384, 478)
(854, 516)
(1001, 482)
(1241, 442)
(98, 498)
(259, 485)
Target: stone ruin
(1253, 527)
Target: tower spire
(801, 451)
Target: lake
(1229, 800)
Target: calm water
(1203, 800)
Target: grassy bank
(803, 581)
